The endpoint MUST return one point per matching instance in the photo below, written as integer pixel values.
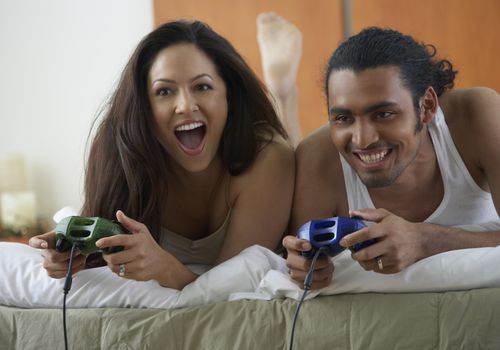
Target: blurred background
(60, 59)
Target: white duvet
(256, 273)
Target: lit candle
(18, 210)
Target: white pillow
(24, 282)
(454, 270)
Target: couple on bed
(192, 158)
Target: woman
(192, 149)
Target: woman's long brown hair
(127, 167)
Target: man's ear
(428, 105)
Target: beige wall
(59, 60)
(464, 31)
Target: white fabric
(256, 273)
(24, 282)
(464, 202)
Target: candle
(12, 173)
(18, 210)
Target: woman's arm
(261, 201)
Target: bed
(259, 314)
(446, 320)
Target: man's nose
(364, 134)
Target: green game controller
(83, 232)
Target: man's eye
(340, 119)
(384, 115)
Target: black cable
(307, 285)
(66, 288)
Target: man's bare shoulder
(466, 108)
(316, 148)
(473, 118)
(319, 186)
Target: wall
(58, 63)
(465, 31)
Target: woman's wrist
(175, 274)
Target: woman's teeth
(190, 126)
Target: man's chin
(377, 181)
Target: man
(409, 157)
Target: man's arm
(319, 193)
(319, 182)
(400, 243)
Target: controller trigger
(60, 245)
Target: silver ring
(122, 270)
(380, 264)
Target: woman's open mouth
(191, 137)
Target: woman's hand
(299, 266)
(56, 263)
(142, 258)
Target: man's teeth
(190, 126)
(374, 157)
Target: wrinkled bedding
(445, 320)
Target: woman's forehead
(181, 61)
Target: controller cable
(307, 285)
(66, 288)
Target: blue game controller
(327, 233)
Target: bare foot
(280, 44)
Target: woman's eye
(203, 87)
(163, 92)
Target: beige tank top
(201, 251)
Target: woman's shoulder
(274, 155)
(275, 159)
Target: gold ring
(122, 270)
(380, 264)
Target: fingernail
(98, 244)
(343, 243)
(306, 246)
(44, 245)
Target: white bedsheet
(254, 273)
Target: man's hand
(400, 243)
(299, 266)
(55, 263)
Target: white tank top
(464, 202)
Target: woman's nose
(185, 103)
